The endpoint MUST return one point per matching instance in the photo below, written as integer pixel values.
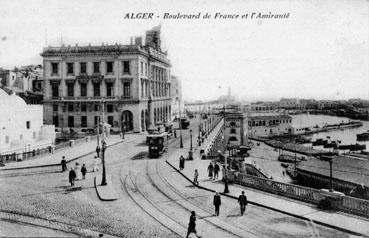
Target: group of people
(77, 172)
(242, 200)
(213, 170)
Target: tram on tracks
(158, 144)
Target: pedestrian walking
(121, 135)
(96, 164)
(175, 134)
(242, 200)
(192, 224)
(181, 162)
(77, 170)
(72, 177)
(98, 149)
(216, 171)
(195, 177)
(64, 164)
(83, 171)
(210, 170)
(217, 202)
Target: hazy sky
(321, 51)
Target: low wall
(314, 196)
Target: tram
(158, 144)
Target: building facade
(236, 128)
(270, 125)
(127, 84)
(177, 99)
(21, 126)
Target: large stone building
(131, 82)
(236, 128)
(177, 99)
(21, 125)
(266, 125)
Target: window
(109, 67)
(96, 120)
(70, 89)
(96, 67)
(56, 121)
(96, 89)
(111, 120)
(83, 89)
(126, 89)
(6, 139)
(82, 67)
(70, 121)
(70, 107)
(109, 89)
(83, 121)
(83, 107)
(232, 124)
(96, 107)
(28, 124)
(55, 108)
(54, 68)
(70, 68)
(146, 69)
(233, 131)
(55, 89)
(126, 69)
(110, 107)
(142, 70)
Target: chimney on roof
(138, 41)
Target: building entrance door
(127, 121)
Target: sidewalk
(337, 220)
(70, 153)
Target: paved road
(155, 201)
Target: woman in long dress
(77, 169)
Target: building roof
(10, 100)
(270, 117)
(354, 170)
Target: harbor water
(346, 136)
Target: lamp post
(180, 125)
(330, 176)
(190, 153)
(226, 189)
(190, 139)
(199, 137)
(103, 145)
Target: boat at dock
(343, 125)
(363, 136)
(319, 142)
(333, 144)
(352, 147)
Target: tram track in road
(166, 211)
(185, 204)
(148, 207)
(199, 207)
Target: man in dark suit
(242, 200)
(217, 202)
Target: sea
(346, 136)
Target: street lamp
(190, 153)
(103, 145)
(226, 189)
(180, 125)
(191, 139)
(199, 137)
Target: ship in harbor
(363, 136)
